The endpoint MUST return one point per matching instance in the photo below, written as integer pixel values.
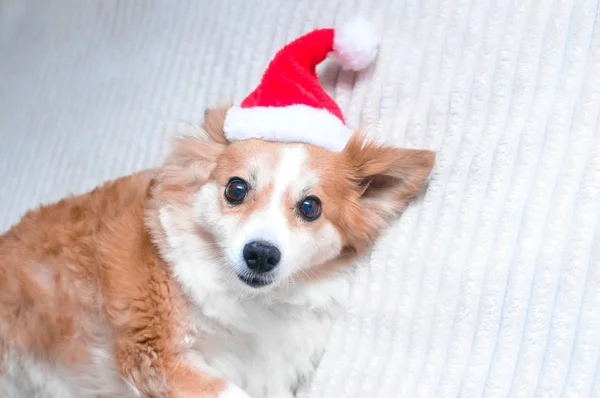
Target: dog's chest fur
(266, 346)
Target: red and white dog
(218, 274)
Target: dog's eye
(310, 208)
(236, 191)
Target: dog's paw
(233, 391)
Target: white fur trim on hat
(355, 44)
(294, 123)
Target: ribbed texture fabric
(488, 286)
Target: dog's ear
(195, 157)
(214, 120)
(387, 178)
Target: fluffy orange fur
(90, 266)
(71, 269)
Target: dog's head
(265, 212)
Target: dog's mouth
(255, 281)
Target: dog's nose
(261, 257)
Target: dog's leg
(157, 374)
(153, 360)
(197, 361)
(233, 391)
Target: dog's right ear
(195, 156)
(214, 120)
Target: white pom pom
(355, 43)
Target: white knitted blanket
(488, 286)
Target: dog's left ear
(388, 177)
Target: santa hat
(289, 104)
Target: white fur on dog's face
(279, 177)
(361, 189)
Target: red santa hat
(289, 104)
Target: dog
(218, 274)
